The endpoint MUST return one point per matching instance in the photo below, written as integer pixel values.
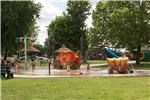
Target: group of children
(14, 64)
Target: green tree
(39, 47)
(130, 26)
(123, 23)
(49, 45)
(17, 20)
(78, 12)
(59, 30)
(99, 31)
(65, 32)
(70, 27)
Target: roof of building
(30, 49)
(63, 49)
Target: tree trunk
(5, 56)
(138, 55)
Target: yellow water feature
(117, 61)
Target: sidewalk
(94, 72)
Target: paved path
(95, 72)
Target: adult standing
(12, 62)
(1, 63)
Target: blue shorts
(12, 64)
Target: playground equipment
(100, 53)
(112, 54)
(118, 65)
(70, 58)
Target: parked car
(33, 56)
(44, 55)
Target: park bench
(43, 62)
(6, 70)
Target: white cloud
(89, 20)
(48, 13)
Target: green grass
(29, 63)
(97, 62)
(143, 66)
(103, 66)
(94, 88)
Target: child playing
(68, 68)
(16, 66)
(88, 68)
(64, 67)
(12, 63)
(33, 65)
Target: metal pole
(25, 53)
(25, 40)
(49, 68)
(53, 52)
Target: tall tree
(130, 26)
(124, 24)
(59, 32)
(99, 31)
(39, 47)
(17, 20)
(49, 45)
(78, 12)
(100, 15)
(64, 33)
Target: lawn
(97, 88)
(97, 61)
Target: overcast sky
(51, 9)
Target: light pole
(25, 40)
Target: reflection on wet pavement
(95, 72)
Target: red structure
(70, 58)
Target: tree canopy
(124, 24)
(50, 45)
(78, 12)
(17, 20)
(70, 27)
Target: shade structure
(63, 49)
(30, 49)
